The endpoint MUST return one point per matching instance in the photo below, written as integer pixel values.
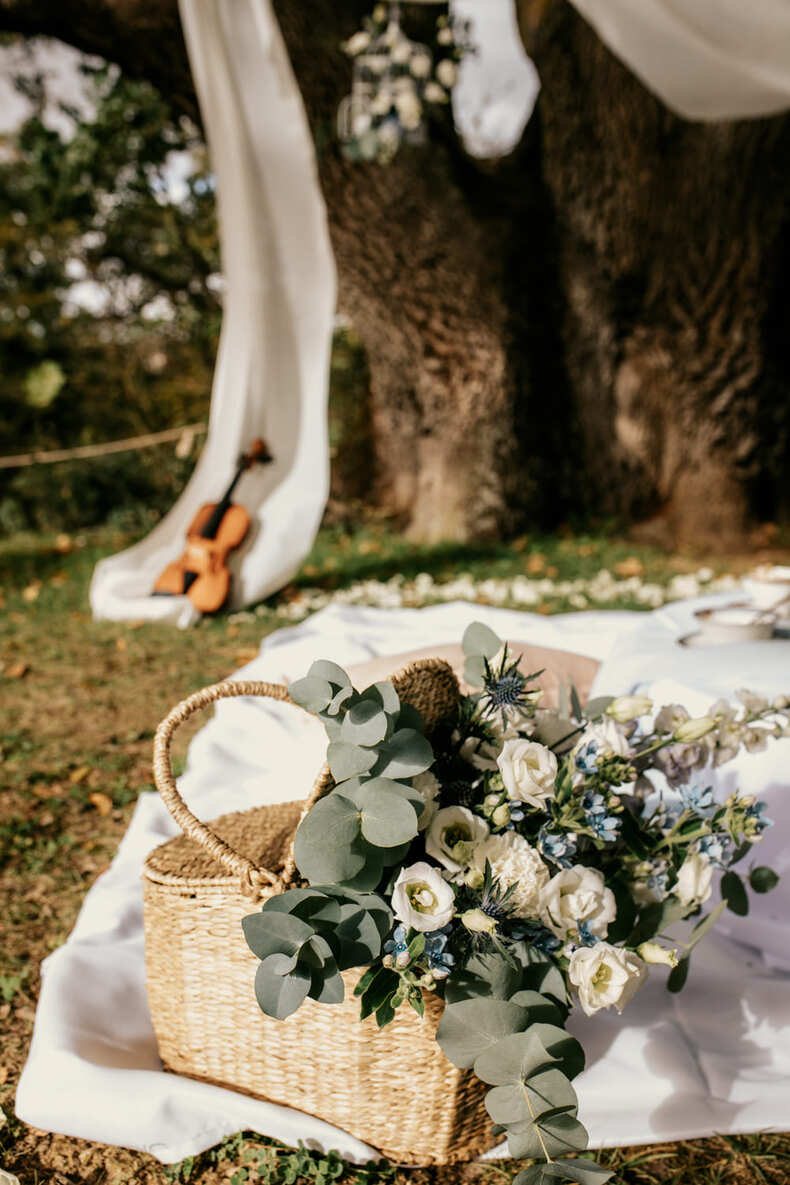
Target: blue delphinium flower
(557, 846)
(398, 947)
(440, 961)
(603, 825)
(696, 798)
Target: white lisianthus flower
(453, 836)
(420, 65)
(694, 730)
(670, 717)
(629, 707)
(478, 922)
(576, 895)
(514, 862)
(694, 880)
(409, 109)
(428, 786)
(655, 953)
(528, 770)
(600, 741)
(605, 975)
(356, 44)
(751, 700)
(446, 73)
(422, 898)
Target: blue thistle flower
(538, 936)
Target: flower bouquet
(521, 860)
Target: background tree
(595, 322)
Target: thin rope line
(84, 451)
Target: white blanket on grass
(716, 1058)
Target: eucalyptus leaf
(280, 995)
(538, 1006)
(406, 754)
(385, 695)
(310, 693)
(409, 717)
(388, 819)
(763, 879)
(365, 723)
(348, 761)
(548, 1090)
(560, 1133)
(358, 937)
(275, 933)
(474, 670)
(330, 672)
(478, 639)
(581, 1172)
(469, 1028)
(327, 988)
(336, 703)
(702, 927)
(677, 976)
(597, 706)
(513, 1058)
(733, 891)
(324, 847)
(485, 975)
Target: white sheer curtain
(272, 367)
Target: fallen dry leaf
(3, 1074)
(64, 543)
(536, 562)
(552, 572)
(631, 566)
(16, 670)
(246, 655)
(585, 549)
(59, 579)
(102, 803)
(79, 775)
(121, 644)
(31, 592)
(521, 544)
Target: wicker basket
(392, 1088)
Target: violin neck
(211, 525)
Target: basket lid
(262, 834)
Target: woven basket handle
(252, 877)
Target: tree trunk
(594, 323)
(673, 256)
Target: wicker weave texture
(392, 1088)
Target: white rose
(453, 835)
(422, 898)
(428, 786)
(629, 707)
(528, 770)
(694, 880)
(605, 975)
(576, 895)
(514, 862)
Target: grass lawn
(79, 702)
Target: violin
(217, 528)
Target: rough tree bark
(595, 322)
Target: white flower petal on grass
(605, 975)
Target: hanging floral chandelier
(394, 81)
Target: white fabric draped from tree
(707, 59)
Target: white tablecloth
(715, 1058)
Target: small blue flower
(696, 798)
(558, 847)
(586, 936)
(760, 821)
(440, 961)
(587, 757)
(538, 936)
(602, 825)
(398, 947)
(594, 804)
(718, 849)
